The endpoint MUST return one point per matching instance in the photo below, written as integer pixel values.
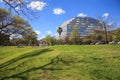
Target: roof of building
(68, 21)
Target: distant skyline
(52, 13)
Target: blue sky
(52, 13)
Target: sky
(52, 13)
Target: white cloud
(17, 8)
(58, 11)
(37, 5)
(105, 15)
(49, 32)
(111, 24)
(37, 32)
(82, 15)
(42, 37)
(1, 0)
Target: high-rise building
(85, 26)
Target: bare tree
(21, 7)
(107, 23)
(16, 4)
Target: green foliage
(50, 40)
(3, 13)
(98, 36)
(18, 22)
(95, 62)
(116, 34)
(75, 36)
(14, 25)
(4, 39)
(86, 40)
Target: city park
(23, 57)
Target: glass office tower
(85, 26)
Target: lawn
(75, 62)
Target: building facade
(85, 26)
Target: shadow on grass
(18, 75)
(53, 62)
(27, 55)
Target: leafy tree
(66, 40)
(10, 24)
(4, 20)
(4, 39)
(116, 34)
(86, 40)
(14, 25)
(97, 36)
(30, 37)
(110, 36)
(75, 36)
(49, 40)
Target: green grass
(75, 62)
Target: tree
(59, 30)
(18, 6)
(10, 24)
(106, 24)
(29, 39)
(49, 40)
(4, 39)
(105, 31)
(13, 25)
(4, 20)
(26, 8)
(29, 36)
(86, 40)
(116, 34)
(97, 36)
(75, 36)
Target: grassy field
(81, 62)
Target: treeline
(15, 30)
(75, 38)
(100, 36)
